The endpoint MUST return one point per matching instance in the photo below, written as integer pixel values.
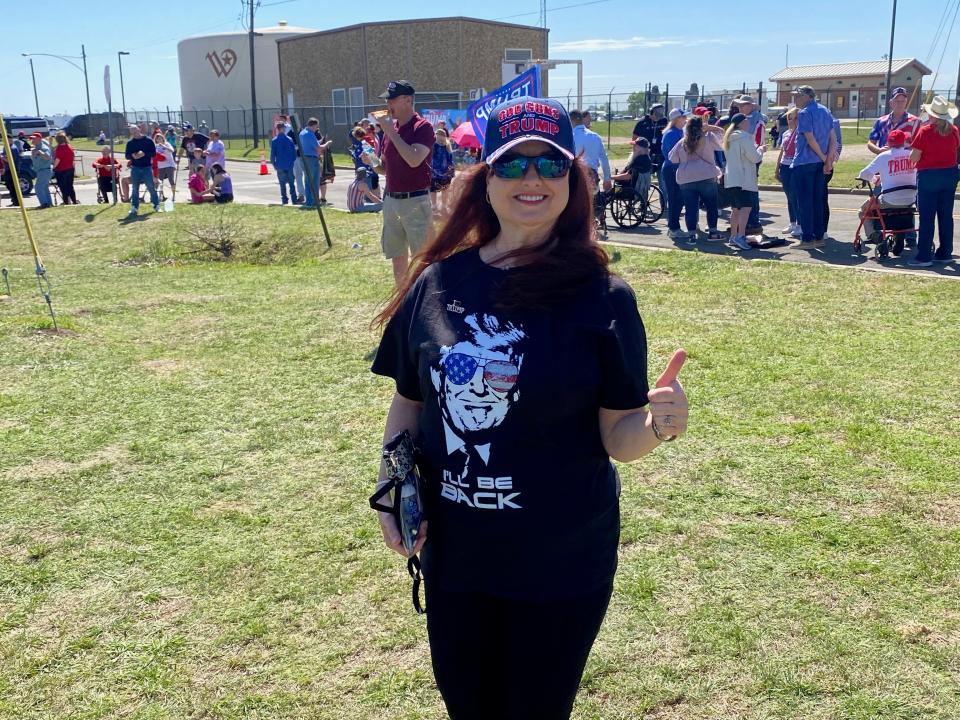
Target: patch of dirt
(11, 425)
(164, 368)
(47, 467)
(223, 507)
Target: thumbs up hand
(668, 402)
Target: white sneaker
(677, 235)
(788, 230)
(796, 231)
(132, 213)
(741, 243)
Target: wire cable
(550, 10)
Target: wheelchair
(895, 224)
(628, 207)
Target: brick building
(853, 88)
(338, 74)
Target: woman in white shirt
(740, 177)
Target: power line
(939, 33)
(564, 7)
(946, 43)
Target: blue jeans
(138, 176)
(42, 186)
(786, 179)
(285, 176)
(369, 207)
(663, 188)
(692, 194)
(311, 179)
(672, 195)
(809, 182)
(298, 176)
(935, 190)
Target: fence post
(609, 114)
(667, 103)
(244, 120)
(227, 111)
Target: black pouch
(403, 480)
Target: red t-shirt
(938, 151)
(105, 166)
(63, 156)
(400, 176)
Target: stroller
(895, 223)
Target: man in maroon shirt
(405, 159)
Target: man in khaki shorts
(405, 159)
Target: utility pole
(253, 83)
(86, 81)
(123, 98)
(34, 78)
(893, 26)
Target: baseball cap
(737, 119)
(641, 141)
(677, 112)
(656, 106)
(396, 88)
(701, 110)
(187, 126)
(896, 138)
(527, 118)
(804, 90)
(36, 136)
(746, 99)
(898, 91)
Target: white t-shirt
(166, 156)
(896, 171)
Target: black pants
(507, 659)
(65, 183)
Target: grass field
(184, 472)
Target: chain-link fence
(611, 112)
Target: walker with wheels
(895, 224)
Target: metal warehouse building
(338, 74)
(854, 88)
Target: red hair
(556, 269)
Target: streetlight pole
(69, 59)
(33, 77)
(123, 98)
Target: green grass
(184, 471)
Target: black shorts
(223, 198)
(105, 184)
(740, 198)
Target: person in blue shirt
(589, 145)
(816, 151)
(310, 151)
(42, 157)
(13, 160)
(283, 154)
(838, 136)
(668, 174)
(898, 119)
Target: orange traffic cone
(263, 164)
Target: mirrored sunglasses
(497, 374)
(514, 167)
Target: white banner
(106, 83)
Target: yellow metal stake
(38, 262)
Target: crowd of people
(704, 160)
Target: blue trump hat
(527, 118)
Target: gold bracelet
(656, 431)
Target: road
(250, 187)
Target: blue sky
(623, 43)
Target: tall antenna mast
(543, 14)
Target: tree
(635, 102)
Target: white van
(25, 124)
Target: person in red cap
(897, 177)
(42, 157)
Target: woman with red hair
(520, 364)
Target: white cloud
(636, 42)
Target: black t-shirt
(197, 141)
(521, 496)
(639, 164)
